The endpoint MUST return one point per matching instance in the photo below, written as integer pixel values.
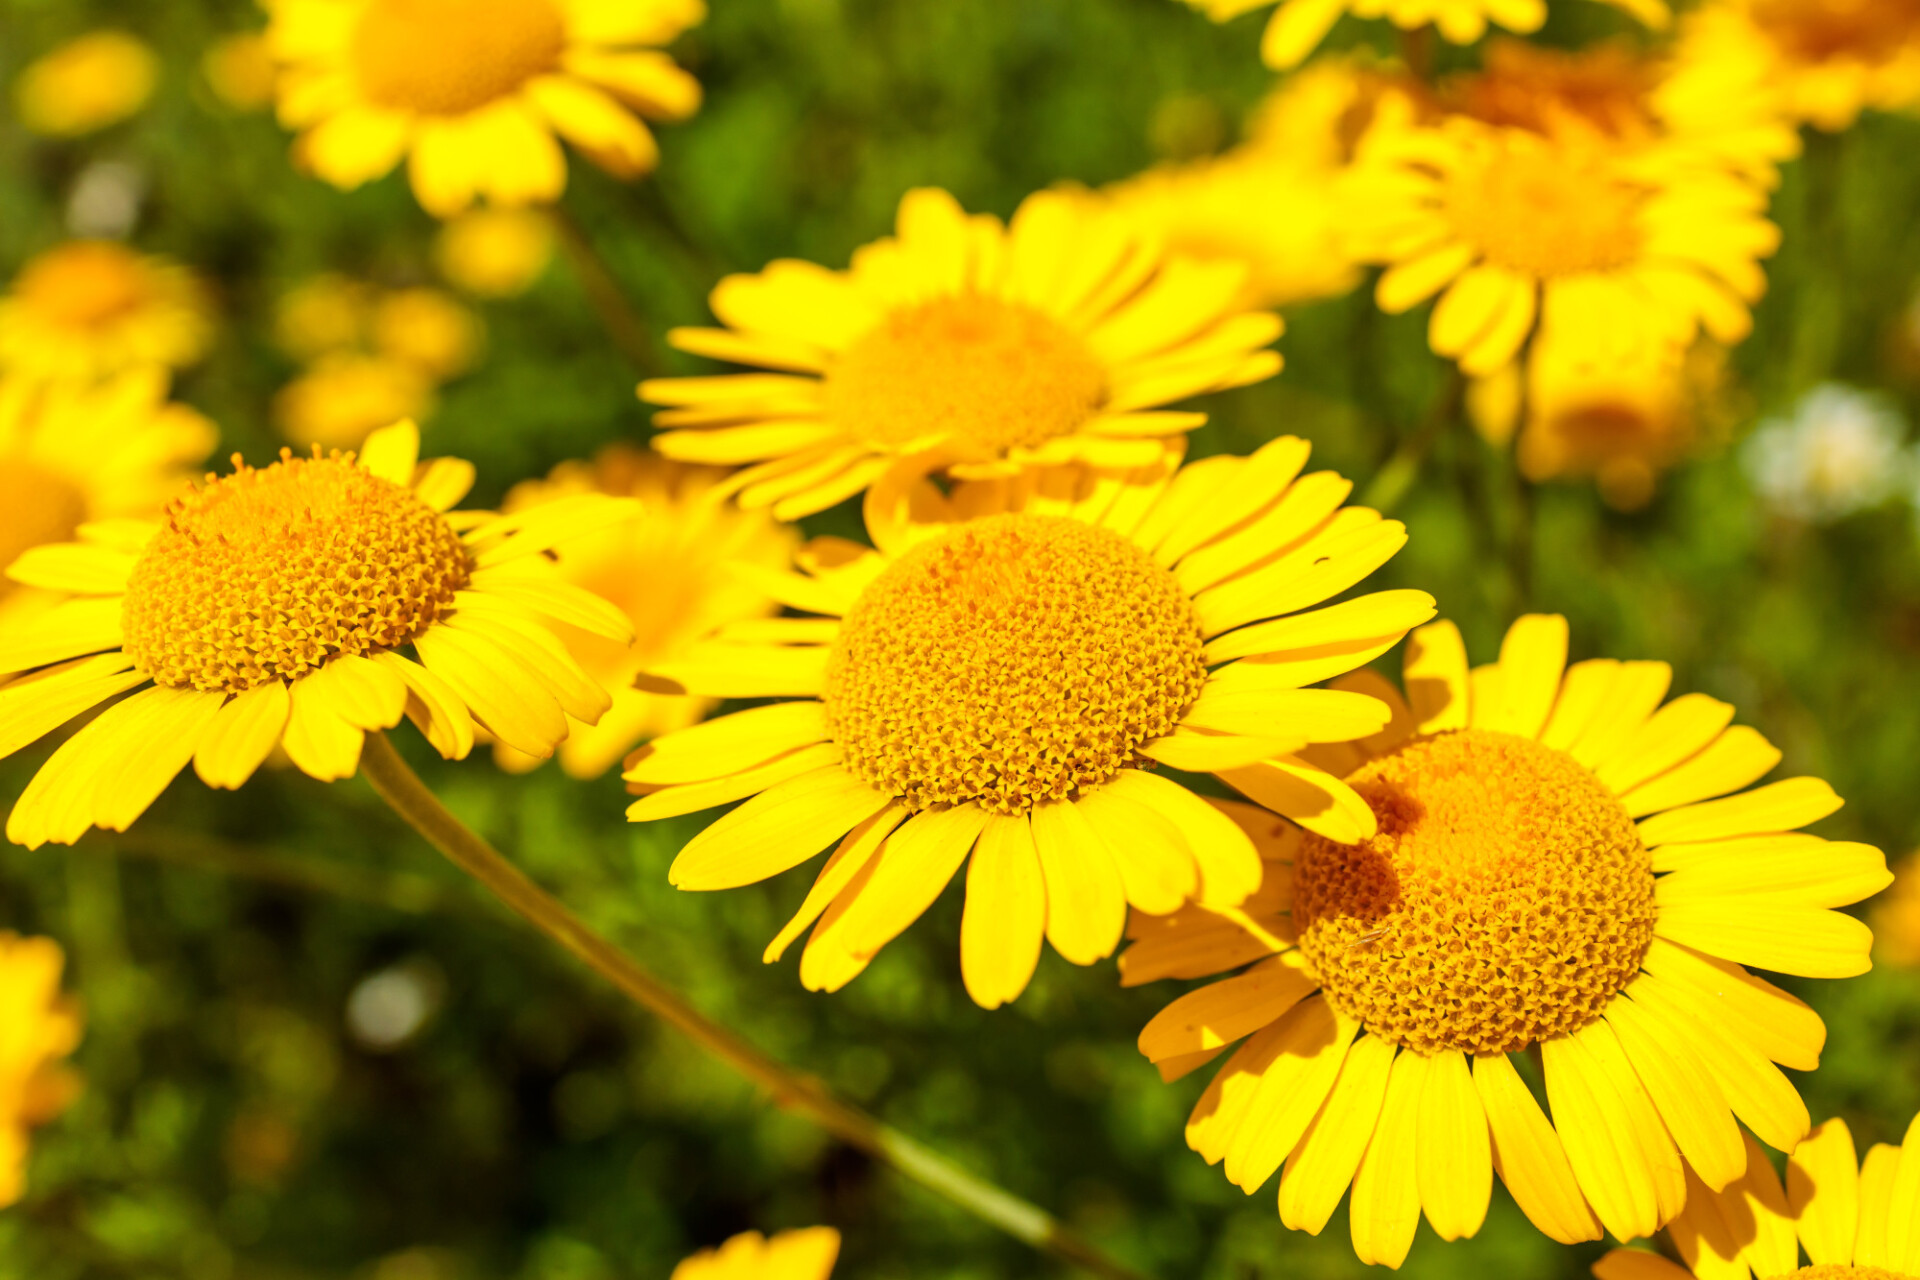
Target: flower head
(1896, 917)
(805, 1254)
(240, 70)
(495, 253)
(272, 607)
(1000, 676)
(988, 348)
(472, 92)
(42, 1027)
(1820, 62)
(1561, 864)
(96, 80)
(1841, 450)
(92, 307)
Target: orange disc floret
(1506, 900)
(268, 574)
(1012, 661)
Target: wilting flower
(805, 1254)
(88, 83)
(92, 307)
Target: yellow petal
(1086, 900)
(1408, 284)
(1737, 758)
(1779, 806)
(1224, 1011)
(1792, 869)
(1385, 1209)
(1805, 941)
(1321, 1166)
(77, 567)
(1312, 1040)
(69, 630)
(741, 671)
(242, 735)
(496, 689)
(392, 452)
(1529, 1155)
(1006, 913)
(1638, 1264)
(729, 744)
(1619, 1149)
(1309, 796)
(35, 706)
(1452, 1148)
(913, 866)
(1903, 1207)
(318, 737)
(1156, 868)
(435, 709)
(694, 796)
(1763, 1098)
(1229, 864)
(1352, 625)
(1635, 692)
(1581, 695)
(777, 830)
(1296, 29)
(843, 867)
(1683, 1091)
(1532, 659)
(1748, 1008)
(1678, 730)
(1823, 1192)
(1435, 676)
(1877, 1175)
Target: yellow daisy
(666, 569)
(86, 84)
(1053, 339)
(271, 607)
(1855, 1219)
(78, 453)
(239, 69)
(1822, 61)
(1563, 889)
(472, 92)
(38, 1027)
(806, 1254)
(1298, 26)
(495, 253)
(92, 307)
(1002, 675)
(346, 396)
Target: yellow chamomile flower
(667, 570)
(92, 307)
(239, 67)
(989, 348)
(1563, 867)
(495, 253)
(99, 79)
(78, 453)
(1821, 61)
(1854, 1219)
(273, 606)
(1002, 673)
(38, 1027)
(1298, 26)
(471, 93)
(344, 397)
(805, 1254)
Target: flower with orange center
(1001, 675)
(472, 92)
(1854, 1219)
(804, 1254)
(669, 570)
(272, 607)
(1562, 867)
(42, 1027)
(85, 85)
(983, 347)
(1822, 62)
(92, 307)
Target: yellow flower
(495, 253)
(987, 348)
(1605, 250)
(99, 79)
(78, 453)
(346, 396)
(92, 307)
(472, 92)
(1298, 26)
(1896, 918)
(667, 570)
(1819, 61)
(806, 1254)
(1562, 867)
(41, 1026)
(272, 607)
(325, 314)
(1855, 1219)
(1004, 671)
(428, 330)
(240, 69)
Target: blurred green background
(241, 956)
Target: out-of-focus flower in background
(345, 396)
(1824, 61)
(90, 307)
(240, 70)
(39, 1026)
(105, 201)
(494, 253)
(1840, 450)
(804, 1254)
(91, 82)
(428, 330)
(387, 1009)
(1896, 917)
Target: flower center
(448, 57)
(269, 574)
(986, 374)
(1506, 900)
(41, 507)
(1839, 1271)
(1869, 31)
(1547, 210)
(1014, 661)
(1602, 90)
(85, 284)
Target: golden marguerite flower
(272, 607)
(471, 93)
(1053, 339)
(92, 307)
(805, 1254)
(86, 84)
(666, 568)
(1298, 26)
(38, 1027)
(78, 453)
(495, 253)
(344, 397)
(1855, 1219)
(1562, 868)
(1002, 674)
(1822, 61)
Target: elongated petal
(777, 830)
(1529, 1155)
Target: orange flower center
(1869, 31)
(269, 574)
(1602, 90)
(1506, 899)
(1014, 661)
(1546, 210)
(968, 370)
(41, 507)
(448, 57)
(85, 285)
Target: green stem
(402, 789)
(622, 323)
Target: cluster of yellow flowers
(1436, 903)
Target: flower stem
(402, 789)
(622, 323)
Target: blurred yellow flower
(344, 397)
(1820, 61)
(999, 677)
(1896, 918)
(472, 92)
(428, 330)
(240, 69)
(92, 307)
(325, 314)
(668, 570)
(495, 253)
(986, 348)
(86, 84)
(805, 1254)
(38, 1027)
(1298, 26)
(1508, 905)
(272, 608)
